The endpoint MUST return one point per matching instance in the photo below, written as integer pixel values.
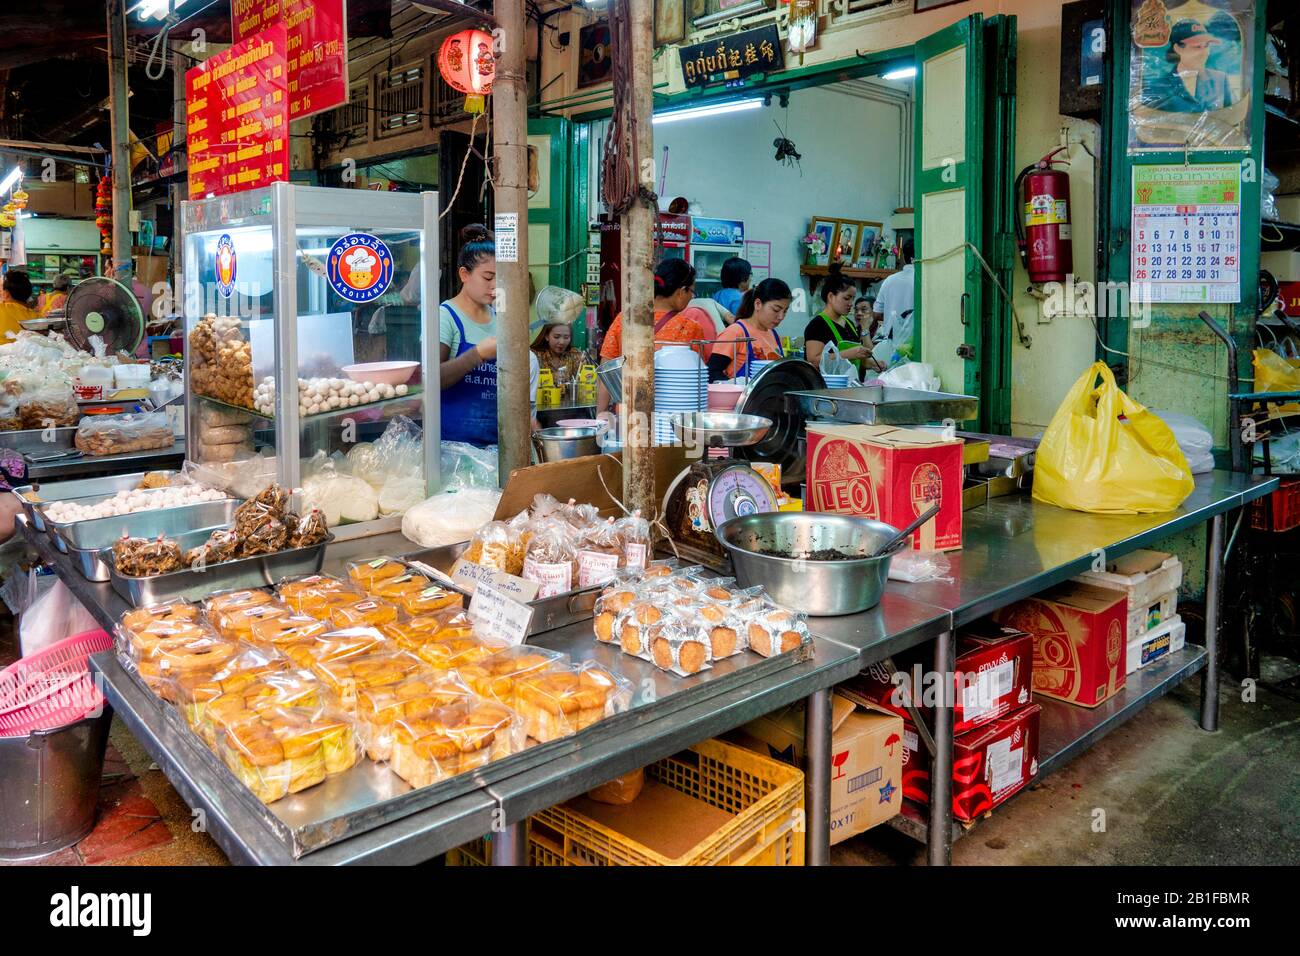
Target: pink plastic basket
(53, 687)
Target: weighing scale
(713, 490)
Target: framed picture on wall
(868, 233)
(670, 22)
(825, 228)
(846, 242)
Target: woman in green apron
(834, 324)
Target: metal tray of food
(883, 405)
(1008, 456)
(87, 541)
(259, 571)
(58, 530)
(548, 613)
(51, 491)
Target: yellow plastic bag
(1089, 460)
(1273, 373)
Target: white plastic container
(91, 383)
(1159, 642)
(1143, 576)
(131, 376)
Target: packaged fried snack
(344, 677)
(146, 557)
(379, 708)
(364, 613)
(496, 546)
(366, 574)
(495, 677)
(774, 630)
(561, 701)
(449, 740)
(600, 554)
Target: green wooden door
(548, 205)
(950, 148)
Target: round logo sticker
(226, 266)
(360, 267)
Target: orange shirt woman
(760, 312)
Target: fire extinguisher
(1043, 228)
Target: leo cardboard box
(989, 763)
(1080, 634)
(994, 667)
(890, 474)
(866, 760)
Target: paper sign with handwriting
(468, 575)
(499, 614)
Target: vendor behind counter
(15, 293)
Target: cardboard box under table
(1149, 579)
(994, 677)
(1080, 641)
(989, 764)
(866, 760)
(890, 474)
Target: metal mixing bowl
(822, 588)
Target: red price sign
(316, 47)
(237, 119)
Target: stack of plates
(757, 366)
(836, 381)
(681, 385)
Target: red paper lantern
(467, 63)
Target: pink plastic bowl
(382, 373)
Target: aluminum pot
(49, 786)
(820, 587)
(562, 444)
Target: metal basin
(562, 444)
(819, 587)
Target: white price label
(1005, 765)
(499, 614)
(983, 694)
(507, 237)
(467, 576)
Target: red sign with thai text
(237, 117)
(316, 51)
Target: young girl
(467, 334)
(761, 311)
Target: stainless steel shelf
(1065, 730)
(415, 393)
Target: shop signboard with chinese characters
(732, 57)
(1186, 228)
(237, 117)
(316, 47)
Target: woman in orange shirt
(761, 311)
(674, 321)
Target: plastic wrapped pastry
(449, 740)
(222, 545)
(600, 554)
(367, 574)
(552, 562)
(495, 677)
(379, 708)
(679, 649)
(774, 630)
(496, 546)
(635, 534)
(560, 701)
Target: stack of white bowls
(836, 381)
(681, 385)
(756, 366)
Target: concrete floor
(1171, 793)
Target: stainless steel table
(1016, 547)
(155, 460)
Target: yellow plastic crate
(765, 797)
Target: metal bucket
(611, 376)
(562, 444)
(49, 786)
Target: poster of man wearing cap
(1189, 75)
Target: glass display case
(308, 359)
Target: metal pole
(118, 89)
(510, 846)
(178, 190)
(510, 156)
(940, 835)
(817, 779)
(638, 263)
(1213, 606)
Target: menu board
(316, 47)
(237, 117)
(1186, 244)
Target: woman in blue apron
(754, 330)
(467, 334)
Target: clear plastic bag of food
(314, 594)
(600, 554)
(52, 405)
(718, 625)
(194, 690)
(367, 574)
(917, 566)
(274, 629)
(456, 647)
(333, 645)
(118, 434)
(496, 546)
(285, 688)
(620, 791)
(551, 561)
(288, 749)
(222, 545)
(367, 612)
(560, 701)
(262, 531)
(238, 623)
(399, 451)
(495, 677)
(378, 709)
(635, 532)
(449, 740)
(773, 630)
(310, 529)
(677, 647)
(178, 657)
(146, 557)
(344, 677)
(451, 516)
(432, 597)
(414, 632)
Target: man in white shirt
(894, 304)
